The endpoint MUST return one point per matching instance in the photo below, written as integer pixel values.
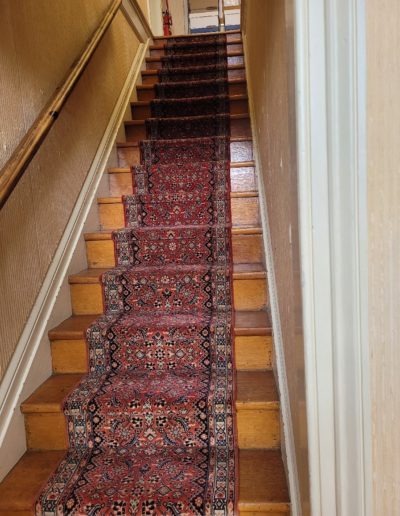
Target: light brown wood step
(233, 72)
(257, 409)
(262, 483)
(244, 210)
(253, 343)
(231, 35)
(246, 247)
(135, 130)
(241, 150)
(233, 58)
(234, 45)
(148, 92)
(249, 289)
(243, 178)
(238, 104)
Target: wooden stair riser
(233, 35)
(249, 294)
(257, 409)
(141, 112)
(283, 512)
(243, 179)
(232, 47)
(129, 153)
(245, 212)
(234, 72)
(262, 483)
(256, 429)
(247, 248)
(251, 353)
(240, 128)
(147, 94)
(153, 63)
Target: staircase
(262, 482)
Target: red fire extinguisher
(167, 21)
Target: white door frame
(331, 128)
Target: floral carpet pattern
(151, 427)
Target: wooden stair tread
(236, 116)
(234, 164)
(255, 390)
(154, 71)
(49, 396)
(118, 199)
(232, 53)
(240, 270)
(184, 36)
(139, 103)
(232, 80)
(262, 482)
(232, 139)
(238, 230)
(230, 42)
(23, 483)
(246, 323)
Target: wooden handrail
(13, 170)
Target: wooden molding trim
(30, 143)
(137, 20)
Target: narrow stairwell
(260, 479)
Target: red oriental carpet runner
(151, 427)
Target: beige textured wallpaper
(39, 40)
(270, 69)
(383, 122)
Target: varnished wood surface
(233, 72)
(257, 408)
(19, 489)
(262, 483)
(255, 389)
(231, 46)
(240, 271)
(246, 246)
(252, 352)
(243, 179)
(129, 153)
(233, 59)
(135, 130)
(141, 110)
(231, 35)
(236, 86)
(244, 211)
(246, 323)
(252, 343)
(249, 289)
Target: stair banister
(14, 169)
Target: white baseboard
(289, 446)
(12, 385)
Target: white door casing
(331, 132)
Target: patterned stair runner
(151, 427)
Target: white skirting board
(28, 356)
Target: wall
(34, 58)
(268, 28)
(383, 120)
(156, 19)
(178, 11)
